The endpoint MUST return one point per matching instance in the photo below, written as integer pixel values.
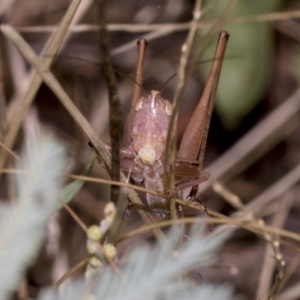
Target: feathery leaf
(23, 227)
(158, 272)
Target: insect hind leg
(195, 200)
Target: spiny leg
(194, 199)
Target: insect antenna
(198, 63)
(98, 64)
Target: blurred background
(260, 73)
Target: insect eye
(139, 104)
(168, 108)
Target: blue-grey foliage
(22, 224)
(158, 272)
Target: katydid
(146, 132)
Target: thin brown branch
(110, 182)
(270, 260)
(84, 227)
(23, 290)
(54, 44)
(115, 112)
(273, 245)
(290, 293)
(231, 198)
(291, 268)
(12, 153)
(74, 215)
(72, 271)
(258, 229)
(170, 149)
(171, 27)
(3, 120)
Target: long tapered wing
(192, 147)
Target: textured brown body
(148, 133)
(150, 126)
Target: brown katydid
(146, 131)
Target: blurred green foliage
(296, 61)
(244, 80)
